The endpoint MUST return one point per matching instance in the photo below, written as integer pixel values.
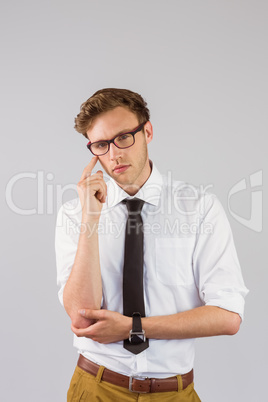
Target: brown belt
(136, 384)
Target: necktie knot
(134, 205)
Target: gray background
(202, 67)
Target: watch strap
(136, 322)
(137, 341)
(136, 335)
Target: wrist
(137, 333)
(128, 326)
(89, 229)
(90, 218)
(151, 327)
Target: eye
(100, 145)
(123, 137)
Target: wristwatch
(136, 334)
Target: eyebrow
(119, 133)
(124, 131)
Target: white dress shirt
(189, 261)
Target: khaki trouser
(85, 387)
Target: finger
(81, 331)
(88, 169)
(91, 314)
(98, 177)
(96, 185)
(102, 194)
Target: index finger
(88, 169)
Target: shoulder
(188, 198)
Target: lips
(120, 168)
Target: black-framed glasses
(124, 140)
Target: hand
(92, 191)
(109, 326)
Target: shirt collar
(150, 192)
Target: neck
(132, 189)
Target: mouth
(120, 168)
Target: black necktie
(133, 270)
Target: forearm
(84, 288)
(203, 321)
(199, 322)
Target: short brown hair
(108, 99)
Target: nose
(114, 152)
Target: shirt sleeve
(216, 266)
(66, 241)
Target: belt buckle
(136, 377)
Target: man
(190, 276)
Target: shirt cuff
(60, 295)
(236, 304)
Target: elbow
(77, 320)
(233, 325)
(81, 322)
(72, 309)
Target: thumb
(100, 172)
(88, 313)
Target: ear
(148, 130)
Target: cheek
(103, 165)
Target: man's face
(129, 167)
